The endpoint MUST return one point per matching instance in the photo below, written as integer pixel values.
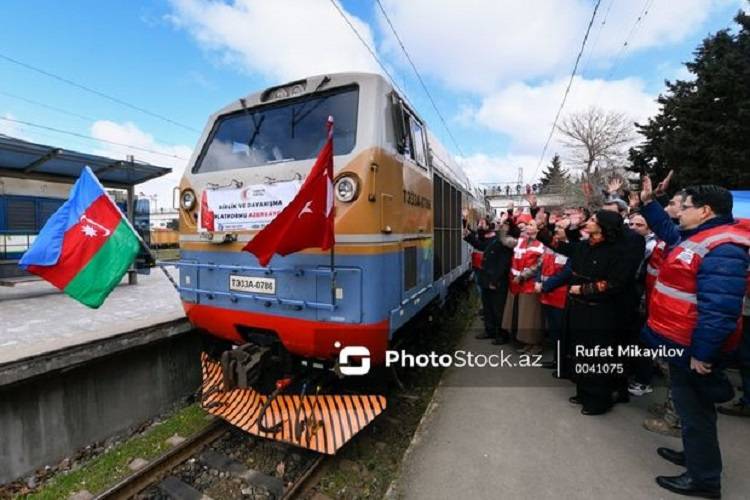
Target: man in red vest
(694, 310)
(553, 289)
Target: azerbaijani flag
(87, 245)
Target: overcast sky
(497, 69)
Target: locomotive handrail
(260, 298)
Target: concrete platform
(71, 376)
(36, 318)
(511, 433)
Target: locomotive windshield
(292, 130)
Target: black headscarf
(611, 224)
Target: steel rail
(151, 473)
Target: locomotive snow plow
(319, 422)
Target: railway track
(222, 462)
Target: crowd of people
(643, 284)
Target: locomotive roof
(442, 160)
(27, 160)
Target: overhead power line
(91, 138)
(47, 106)
(628, 38)
(595, 41)
(567, 89)
(419, 77)
(97, 93)
(369, 49)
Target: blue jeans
(694, 399)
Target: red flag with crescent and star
(307, 222)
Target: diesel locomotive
(400, 202)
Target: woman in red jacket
(527, 257)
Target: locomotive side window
(409, 133)
(417, 135)
(286, 131)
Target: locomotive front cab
(253, 155)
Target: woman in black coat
(599, 271)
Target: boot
(661, 426)
(735, 409)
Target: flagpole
(333, 270)
(333, 222)
(137, 234)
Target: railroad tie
(178, 490)
(237, 469)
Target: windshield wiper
(256, 130)
(301, 116)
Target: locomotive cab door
(415, 256)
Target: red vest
(673, 306)
(525, 255)
(476, 259)
(655, 261)
(552, 263)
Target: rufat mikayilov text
(461, 359)
(631, 351)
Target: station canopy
(27, 160)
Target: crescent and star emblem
(307, 209)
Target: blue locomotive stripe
(369, 287)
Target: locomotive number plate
(251, 284)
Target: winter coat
(720, 283)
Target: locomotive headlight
(187, 200)
(347, 188)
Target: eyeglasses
(685, 207)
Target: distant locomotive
(400, 201)
(164, 238)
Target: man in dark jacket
(492, 279)
(694, 308)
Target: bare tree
(597, 139)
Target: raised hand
(540, 217)
(633, 199)
(662, 187)
(531, 198)
(614, 185)
(647, 191)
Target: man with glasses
(666, 420)
(695, 307)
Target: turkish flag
(207, 216)
(307, 221)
